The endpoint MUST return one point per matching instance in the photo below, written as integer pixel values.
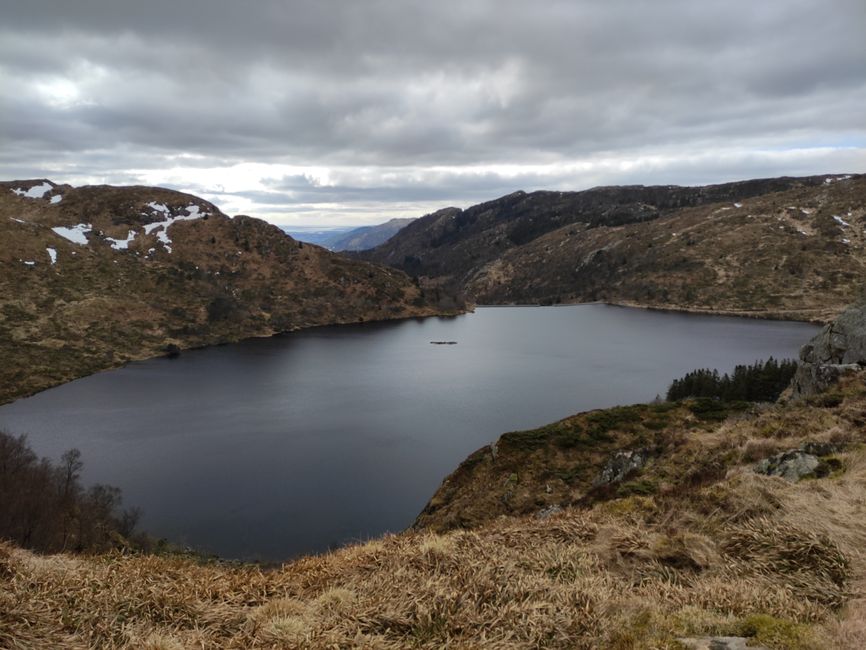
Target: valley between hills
(677, 524)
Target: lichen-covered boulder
(790, 465)
(620, 465)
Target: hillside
(367, 237)
(349, 239)
(787, 247)
(315, 235)
(92, 277)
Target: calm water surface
(273, 447)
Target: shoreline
(793, 316)
(146, 356)
(786, 316)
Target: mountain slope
(768, 247)
(367, 237)
(95, 276)
(314, 235)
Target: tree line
(762, 381)
(44, 506)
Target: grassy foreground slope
(696, 543)
(92, 277)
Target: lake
(269, 448)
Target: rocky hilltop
(92, 277)
(785, 247)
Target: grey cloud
(418, 84)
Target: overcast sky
(328, 112)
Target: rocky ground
(93, 277)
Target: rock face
(620, 465)
(838, 348)
(790, 465)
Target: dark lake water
(273, 447)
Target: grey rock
(790, 465)
(813, 378)
(719, 643)
(548, 512)
(619, 466)
(838, 348)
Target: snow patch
(193, 212)
(121, 244)
(827, 181)
(29, 262)
(75, 234)
(35, 192)
(57, 198)
(738, 205)
(841, 221)
(159, 207)
(18, 220)
(52, 253)
(162, 236)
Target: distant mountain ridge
(315, 235)
(354, 239)
(770, 247)
(91, 277)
